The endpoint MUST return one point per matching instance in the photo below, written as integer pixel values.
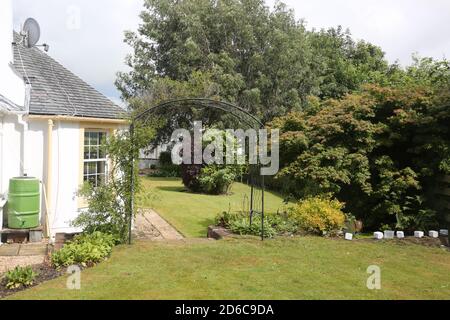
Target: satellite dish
(32, 32)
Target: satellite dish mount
(31, 33)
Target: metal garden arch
(237, 112)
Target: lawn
(190, 213)
(284, 268)
(247, 268)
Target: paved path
(149, 225)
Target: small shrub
(86, 249)
(215, 180)
(242, 226)
(225, 218)
(165, 158)
(318, 215)
(239, 223)
(20, 277)
(166, 171)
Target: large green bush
(85, 250)
(381, 150)
(216, 180)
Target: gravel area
(8, 263)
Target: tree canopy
(242, 52)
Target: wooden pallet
(23, 235)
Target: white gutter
(23, 160)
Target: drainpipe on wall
(2, 196)
(23, 161)
(48, 185)
(1, 156)
(23, 157)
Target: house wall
(10, 150)
(64, 166)
(66, 163)
(11, 85)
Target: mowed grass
(190, 213)
(246, 268)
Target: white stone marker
(378, 235)
(443, 232)
(349, 236)
(433, 234)
(418, 234)
(389, 234)
(400, 234)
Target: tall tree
(264, 60)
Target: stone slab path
(150, 226)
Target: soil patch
(44, 273)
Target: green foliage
(274, 223)
(85, 250)
(242, 52)
(165, 158)
(344, 63)
(239, 223)
(19, 277)
(170, 171)
(166, 168)
(243, 227)
(374, 150)
(216, 180)
(318, 215)
(110, 203)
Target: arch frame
(229, 108)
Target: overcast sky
(86, 36)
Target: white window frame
(97, 160)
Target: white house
(51, 125)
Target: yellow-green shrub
(318, 215)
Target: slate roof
(57, 91)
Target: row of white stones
(400, 234)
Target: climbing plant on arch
(184, 112)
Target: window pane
(92, 168)
(93, 153)
(102, 153)
(101, 166)
(94, 171)
(92, 180)
(93, 140)
(101, 138)
(86, 153)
